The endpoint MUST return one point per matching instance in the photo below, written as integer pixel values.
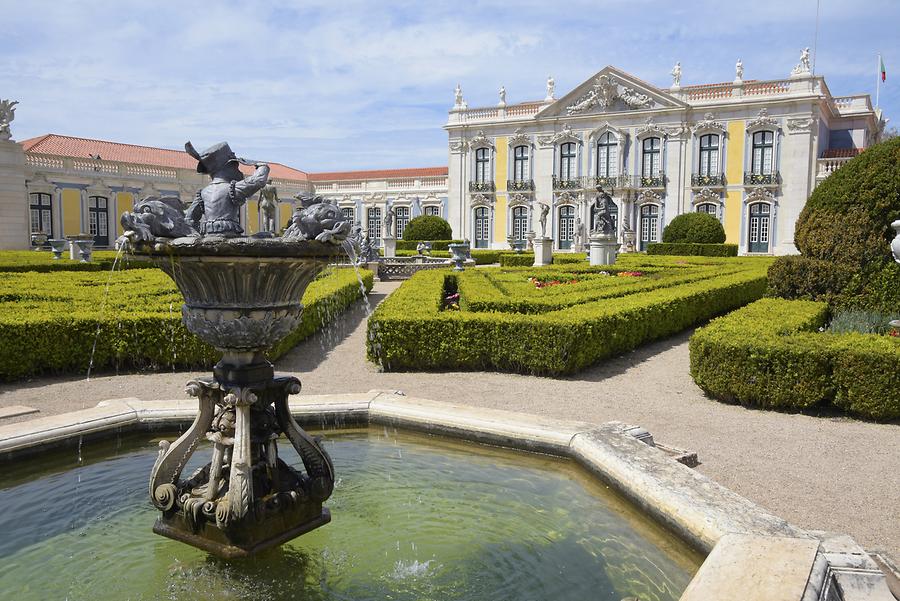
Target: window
(650, 163)
(482, 227)
(709, 208)
(433, 211)
(709, 154)
(482, 166)
(402, 218)
(519, 223)
(763, 152)
(98, 220)
(567, 165)
(520, 163)
(374, 224)
(759, 227)
(607, 156)
(649, 225)
(41, 214)
(347, 212)
(566, 227)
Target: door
(649, 225)
(98, 220)
(760, 215)
(482, 228)
(566, 228)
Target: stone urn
(38, 240)
(895, 243)
(459, 252)
(85, 249)
(58, 247)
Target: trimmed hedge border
(410, 331)
(514, 259)
(770, 354)
(19, 261)
(435, 244)
(692, 249)
(48, 322)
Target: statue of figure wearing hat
(216, 208)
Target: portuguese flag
(883, 72)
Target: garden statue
(579, 232)
(7, 114)
(676, 75)
(502, 96)
(601, 214)
(803, 66)
(388, 223)
(316, 219)
(551, 85)
(157, 217)
(739, 70)
(416, 207)
(545, 210)
(216, 208)
(365, 247)
(268, 207)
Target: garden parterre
(507, 322)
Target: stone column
(15, 220)
(543, 251)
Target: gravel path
(819, 472)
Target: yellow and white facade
(749, 152)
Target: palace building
(748, 152)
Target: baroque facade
(748, 152)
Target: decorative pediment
(518, 199)
(480, 140)
(519, 138)
(566, 197)
(762, 120)
(40, 183)
(649, 196)
(706, 195)
(482, 200)
(565, 135)
(801, 124)
(759, 194)
(709, 123)
(651, 128)
(607, 127)
(457, 145)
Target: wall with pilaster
(734, 175)
(15, 226)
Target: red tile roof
(379, 174)
(68, 146)
(841, 153)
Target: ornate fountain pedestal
(242, 295)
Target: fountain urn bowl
(242, 295)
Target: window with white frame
(482, 165)
(709, 154)
(402, 219)
(41, 208)
(482, 227)
(607, 156)
(433, 211)
(763, 153)
(373, 225)
(709, 208)
(98, 219)
(568, 167)
(520, 163)
(519, 223)
(348, 212)
(651, 157)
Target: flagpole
(878, 80)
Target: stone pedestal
(543, 251)
(603, 249)
(15, 226)
(389, 245)
(73, 241)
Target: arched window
(519, 223)
(433, 211)
(348, 213)
(373, 225)
(651, 159)
(708, 207)
(402, 218)
(41, 207)
(482, 227)
(607, 156)
(98, 220)
(568, 168)
(649, 225)
(762, 157)
(566, 226)
(709, 154)
(520, 163)
(482, 165)
(759, 224)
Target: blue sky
(331, 85)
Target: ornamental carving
(760, 194)
(801, 124)
(604, 92)
(480, 140)
(566, 135)
(457, 146)
(706, 195)
(566, 197)
(484, 200)
(649, 196)
(607, 127)
(709, 123)
(518, 198)
(519, 138)
(651, 128)
(762, 120)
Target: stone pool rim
(750, 553)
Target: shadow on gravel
(615, 366)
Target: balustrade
(518, 185)
(699, 180)
(761, 179)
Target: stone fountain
(242, 295)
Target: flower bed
(505, 323)
(772, 354)
(49, 322)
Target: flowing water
(413, 517)
(119, 251)
(348, 247)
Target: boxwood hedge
(771, 354)
(505, 322)
(43, 261)
(49, 322)
(692, 249)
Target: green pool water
(413, 517)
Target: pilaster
(14, 216)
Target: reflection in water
(413, 518)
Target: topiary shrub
(698, 228)
(427, 227)
(799, 277)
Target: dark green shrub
(427, 227)
(435, 244)
(692, 249)
(697, 228)
(517, 259)
(799, 277)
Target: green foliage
(435, 244)
(427, 227)
(692, 249)
(846, 321)
(526, 259)
(799, 277)
(771, 354)
(18, 261)
(506, 323)
(697, 228)
(49, 322)
(481, 256)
